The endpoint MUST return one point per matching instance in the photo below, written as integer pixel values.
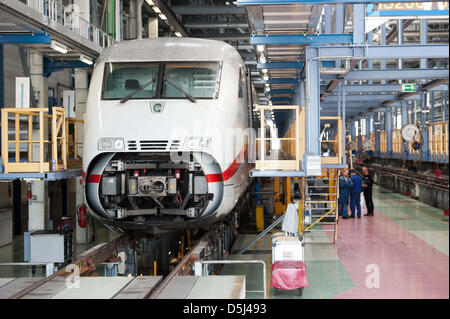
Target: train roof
(169, 49)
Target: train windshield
(122, 79)
(199, 79)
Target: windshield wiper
(127, 97)
(190, 97)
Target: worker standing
(367, 183)
(355, 195)
(345, 188)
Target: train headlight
(111, 143)
(197, 143)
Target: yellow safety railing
(294, 147)
(334, 145)
(438, 140)
(383, 144)
(397, 141)
(74, 129)
(36, 127)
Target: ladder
(320, 207)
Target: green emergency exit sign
(409, 87)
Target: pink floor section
(408, 267)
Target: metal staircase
(320, 207)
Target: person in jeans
(345, 188)
(367, 183)
(355, 195)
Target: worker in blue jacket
(355, 195)
(345, 188)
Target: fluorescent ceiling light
(150, 2)
(262, 59)
(162, 16)
(264, 70)
(58, 46)
(156, 9)
(260, 48)
(86, 59)
(178, 34)
(265, 77)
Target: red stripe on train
(230, 171)
(94, 178)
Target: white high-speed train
(165, 133)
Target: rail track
(146, 287)
(422, 179)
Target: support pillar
(423, 40)
(139, 18)
(312, 117)
(152, 28)
(133, 20)
(383, 42)
(400, 42)
(339, 24)
(388, 129)
(425, 146)
(38, 203)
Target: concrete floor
(406, 242)
(401, 252)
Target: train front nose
(154, 187)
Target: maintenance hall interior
(211, 149)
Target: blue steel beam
(369, 97)
(280, 65)
(282, 81)
(290, 65)
(281, 91)
(51, 66)
(281, 99)
(396, 74)
(301, 39)
(380, 52)
(25, 38)
(362, 88)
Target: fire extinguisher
(82, 216)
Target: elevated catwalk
(406, 241)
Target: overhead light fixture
(260, 48)
(86, 59)
(150, 2)
(262, 59)
(178, 34)
(267, 89)
(265, 77)
(264, 70)
(156, 9)
(162, 16)
(58, 46)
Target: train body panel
(178, 155)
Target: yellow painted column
(332, 183)
(259, 218)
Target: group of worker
(351, 188)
